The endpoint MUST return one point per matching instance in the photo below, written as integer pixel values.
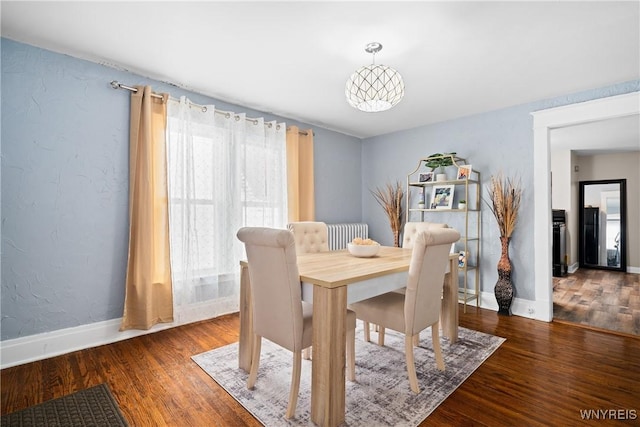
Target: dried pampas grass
(505, 195)
(390, 198)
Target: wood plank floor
(544, 374)
(599, 299)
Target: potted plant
(439, 161)
(462, 204)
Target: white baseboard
(633, 270)
(519, 307)
(49, 344)
(573, 268)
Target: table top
(334, 269)
(339, 268)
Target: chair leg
(416, 340)
(295, 384)
(411, 366)
(435, 336)
(380, 335)
(367, 336)
(306, 353)
(351, 354)
(255, 361)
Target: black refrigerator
(559, 243)
(590, 237)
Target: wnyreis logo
(608, 414)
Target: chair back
(275, 285)
(411, 230)
(310, 236)
(429, 261)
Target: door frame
(543, 121)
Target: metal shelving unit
(467, 220)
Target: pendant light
(373, 88)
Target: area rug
(380, 395)
(94, 406)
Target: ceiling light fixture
(374, 88)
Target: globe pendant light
(374, 88)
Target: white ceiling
(293, 58)
(614, 135)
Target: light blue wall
(64, 177)
(64, 183)
(492, 142)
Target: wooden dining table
(332, 280)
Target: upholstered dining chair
(420, 306)
(310, 236)
(411, 231)
(279, 314)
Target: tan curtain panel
(300, 185)
(148, 298)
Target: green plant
(462, 201)
(439, 161)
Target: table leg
(328, 363)
(245, 344)
(450, 303)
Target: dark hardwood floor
(544, 374)
(599, 299)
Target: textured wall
(65, 187)
(495, 141)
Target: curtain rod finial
(115, 84)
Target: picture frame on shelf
(442, 196)
(425, 177)
(464, 172)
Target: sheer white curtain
(225, 172)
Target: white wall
(619, 166)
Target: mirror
(602, 240)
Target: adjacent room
(320, 213)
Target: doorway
(543, 122)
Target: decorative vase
(441, 177)
(504, 286)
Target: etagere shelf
(422, 187)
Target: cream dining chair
(279, 314)
(420, 306)
(411, 231)
(310, 237)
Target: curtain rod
(117, 85)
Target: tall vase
(504, 286)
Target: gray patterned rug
(94, 407)
(381, 393)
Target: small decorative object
(462, 204)
(462, 259)
(390, 198)
(442, 197)
(505, 195)
(426, 177)
(421, 199)
(363, 248)
(440, 161)
(464, 172)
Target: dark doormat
(94, 406)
